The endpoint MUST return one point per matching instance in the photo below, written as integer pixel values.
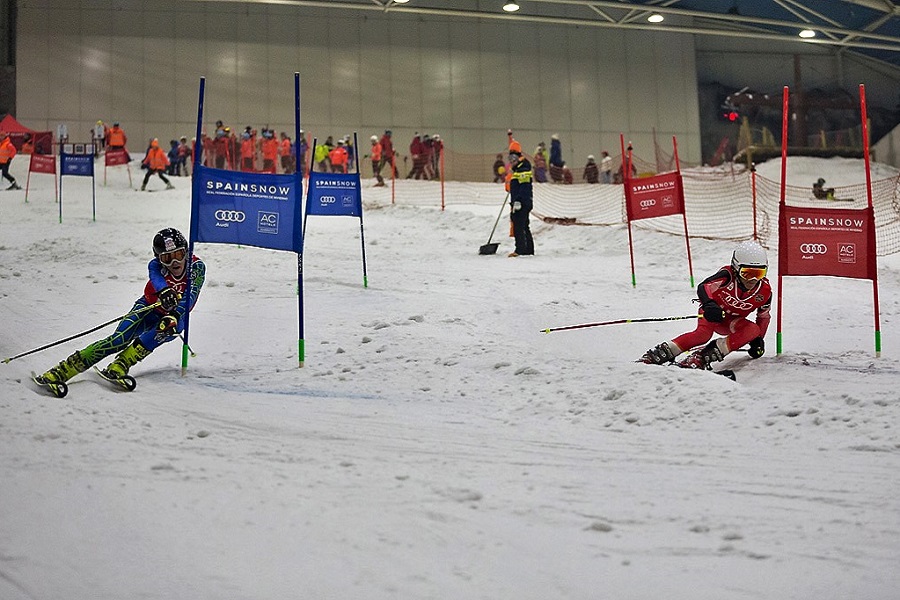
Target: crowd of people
(550, 166)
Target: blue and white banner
(76, 164)
(334, 194)
(248, 209)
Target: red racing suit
(737, 304)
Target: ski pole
(617, 322)
(83, 333)
(181, 337)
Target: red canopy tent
(42, 140)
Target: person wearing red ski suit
(726, 291)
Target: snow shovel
(491, 248)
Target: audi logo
(648, 203)
(813, 248)
(328, 199)
(234, 216)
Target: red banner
(116, 157)
(827, 241)
(657, 196)
(42, 163)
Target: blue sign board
(76, 164)
(248, 209)
(336, 194)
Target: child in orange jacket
(156, 161)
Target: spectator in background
(821, 192)
(248, 151)
(220, 147)
(156, 161)
(7, 153)
(499, 169)
(605, 167)
(28, 144)
(351, 152)
(172, 155)
(417, 152)
(185, 153)
(286, 154)
(320, 157)
(302, 152)
(99, 133)
(387, 152)
(567, 174)
(540, 163)
(377, 160)
(269, 150)
(436, 152)
(117, 139)
(339, 157)
(591, 170)
(62, 133)
(556, 159)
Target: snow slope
(436, 444)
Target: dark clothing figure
(821, 192)
(521, 201)
(499, 169)
(591, 171)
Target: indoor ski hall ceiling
(867, 27)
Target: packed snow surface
(436, 444)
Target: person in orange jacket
(269, 151)
(286, 154)
(376, 160)
(248, 151)
(338, 158)
(156, 162)
(7, 153)
(116, 139)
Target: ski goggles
(167, 258)
(752, 272)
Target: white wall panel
(467, 80)
(437, 95)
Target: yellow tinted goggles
(752, 272)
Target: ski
(58, 389)
(127, 382)
(726, 373)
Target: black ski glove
(712, 312)
(168, 299)
(757, 347)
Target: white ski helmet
(749, 254)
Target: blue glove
(712, 312)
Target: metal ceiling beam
(724, 23)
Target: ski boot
(117, 370)
(662, 353)
(169, 186)
(14, 186)
(126, 359)
(704, 357)
(55, 379)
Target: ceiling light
(807, 33)
(510, 7)
(400, 1)
(656, 18)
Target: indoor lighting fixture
(510, 7)
(400, 1)
(656, 18)
(807, 33)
